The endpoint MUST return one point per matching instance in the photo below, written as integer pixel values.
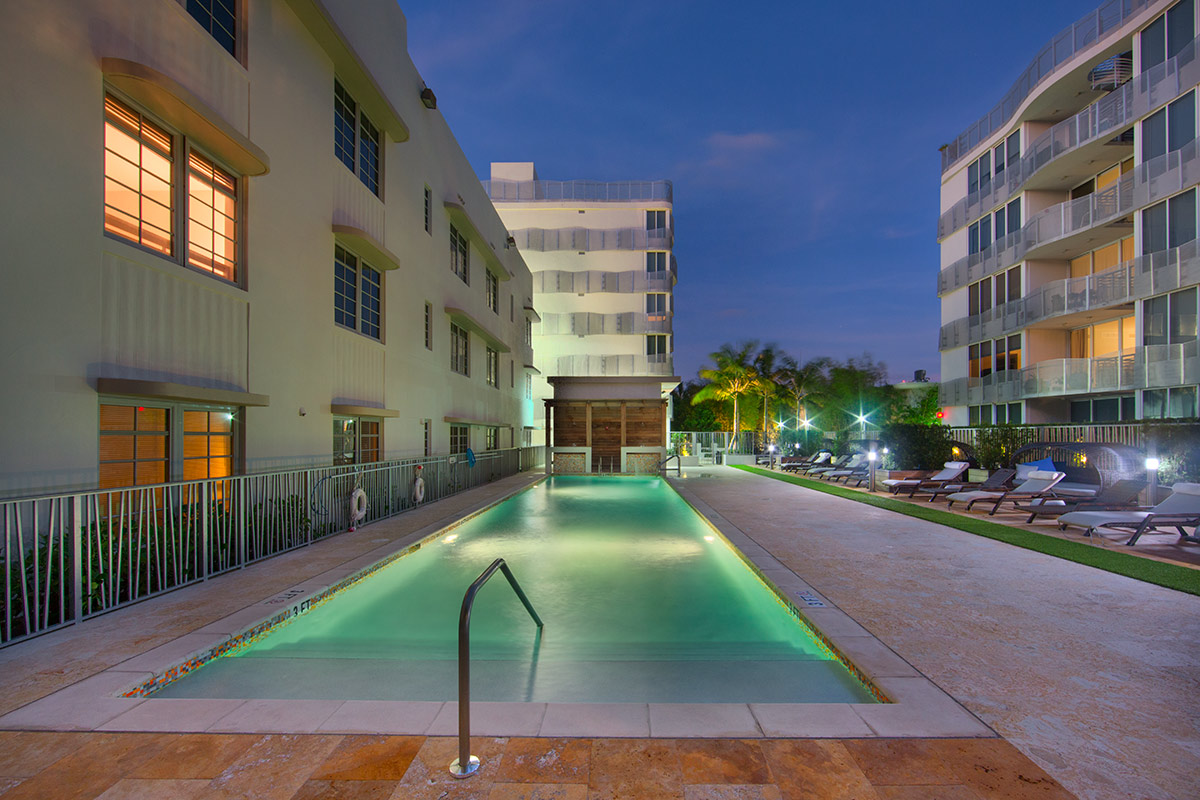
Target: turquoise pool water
(642, 602)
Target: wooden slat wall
(606, 437)
(644, 425)
(570, 425)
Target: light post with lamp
(1152, 480)
(872, 456)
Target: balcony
(1073, 227)
(1146, 368)
(585, 323)
(1077, 140)
(1112, 72)
(614, 365)
(583, 191)
(1087, 32)
(584, 239)
(552, 281)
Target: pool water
(641, 600)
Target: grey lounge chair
(836, 463)
(804, 463)
(1039, 484)
(950, 473)
(997, 481)
(1121, 495)
(856, 461)
(1178, 511)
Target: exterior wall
(614, 322)
(81, 305)
(1070, 135)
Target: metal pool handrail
(466, 764)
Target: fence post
(77, 558)
(241, 520)
(204, 554)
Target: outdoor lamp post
(871, 458)
(771, 453)
(1152, 479)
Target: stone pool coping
(919, 709)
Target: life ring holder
(358, 506)
(418, 486)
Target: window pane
(1183, 316)
(1154, 43)
(368, 154)
(1154, 321)
(370, 300)
(1181, 217)
(1181, 121)
(1180, 27)
(212, 223)
(138, 189)
(1154, 135)
(345, 112)
(1154, 228)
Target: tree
(769, 366)
(804, 383)
(731, 376)
(689, 416)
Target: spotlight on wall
(428, 98)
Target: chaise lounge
(1121, 495)
(997, 481)
(952, 471)
(1180, 510)
(1039, 484)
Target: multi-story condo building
(240, 236)
(1068, 230)
(603, 280)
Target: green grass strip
(1172, 576)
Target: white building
(603, 282)
(1069, 253)
(239, 241)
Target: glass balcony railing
(1096, 124)
(1149, 182)
(587, 323)
(584, 239)
(581, 282)
(1137, 279)
(1149, 367)
(584, 191)
(1096, 27)
(620, 365)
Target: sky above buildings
(802, 140)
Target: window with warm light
(139, 188)
(356, 440)
(207, 444)
(212, 218)
(168, 441)
(491, 440)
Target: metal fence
(71, 556)
(594, 191)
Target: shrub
(914, 446)
(996, 444)
(1178, 449)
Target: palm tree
(805, 383)
(768, 363)
(731, 376)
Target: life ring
(418, 489)
(358, 507)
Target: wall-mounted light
(428, 98)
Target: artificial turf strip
(1171, 576)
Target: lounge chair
(1121, 495)
(1179, 510)
(1039, 484)
(836, 463)
(950, 473)
(856, 462)
(997, 481)
(804, 463)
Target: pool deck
(1081, 670)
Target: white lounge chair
(1181, 509)
(951, 472)
(1038, 484)
(857, 461)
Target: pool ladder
(466, 764)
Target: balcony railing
(1149, 182)
(1091, 30)
(1098, 122)
(619, 365)
(1147, 367)
(584, 239)
(68, 557)
(588, 191)
(552, 281)
(587, 323)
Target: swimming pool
(642, 602)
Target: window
(979, 360)
(528, 332)
(1170, 319)
(1170, 223)
(656, 261)
(656, 306)
(656, 220)
(460, 253)
(656, 347)
(427, 435)
(459, 350)
(357, 288)
(512, 309)
(493, 368)
(428, 211)
(142, 192)
(512, 374)
(139, 188)
(491, 439)
(355, 138)
(979, 415)
(491, 288)
(1176, 403)
(219, 18)
(1170, 128)
(428, 326)
(133, 446)
(141, 444)
(1166, 36)
(528, 387)
(459, 439)
(356, 440)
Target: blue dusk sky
(802, 140)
